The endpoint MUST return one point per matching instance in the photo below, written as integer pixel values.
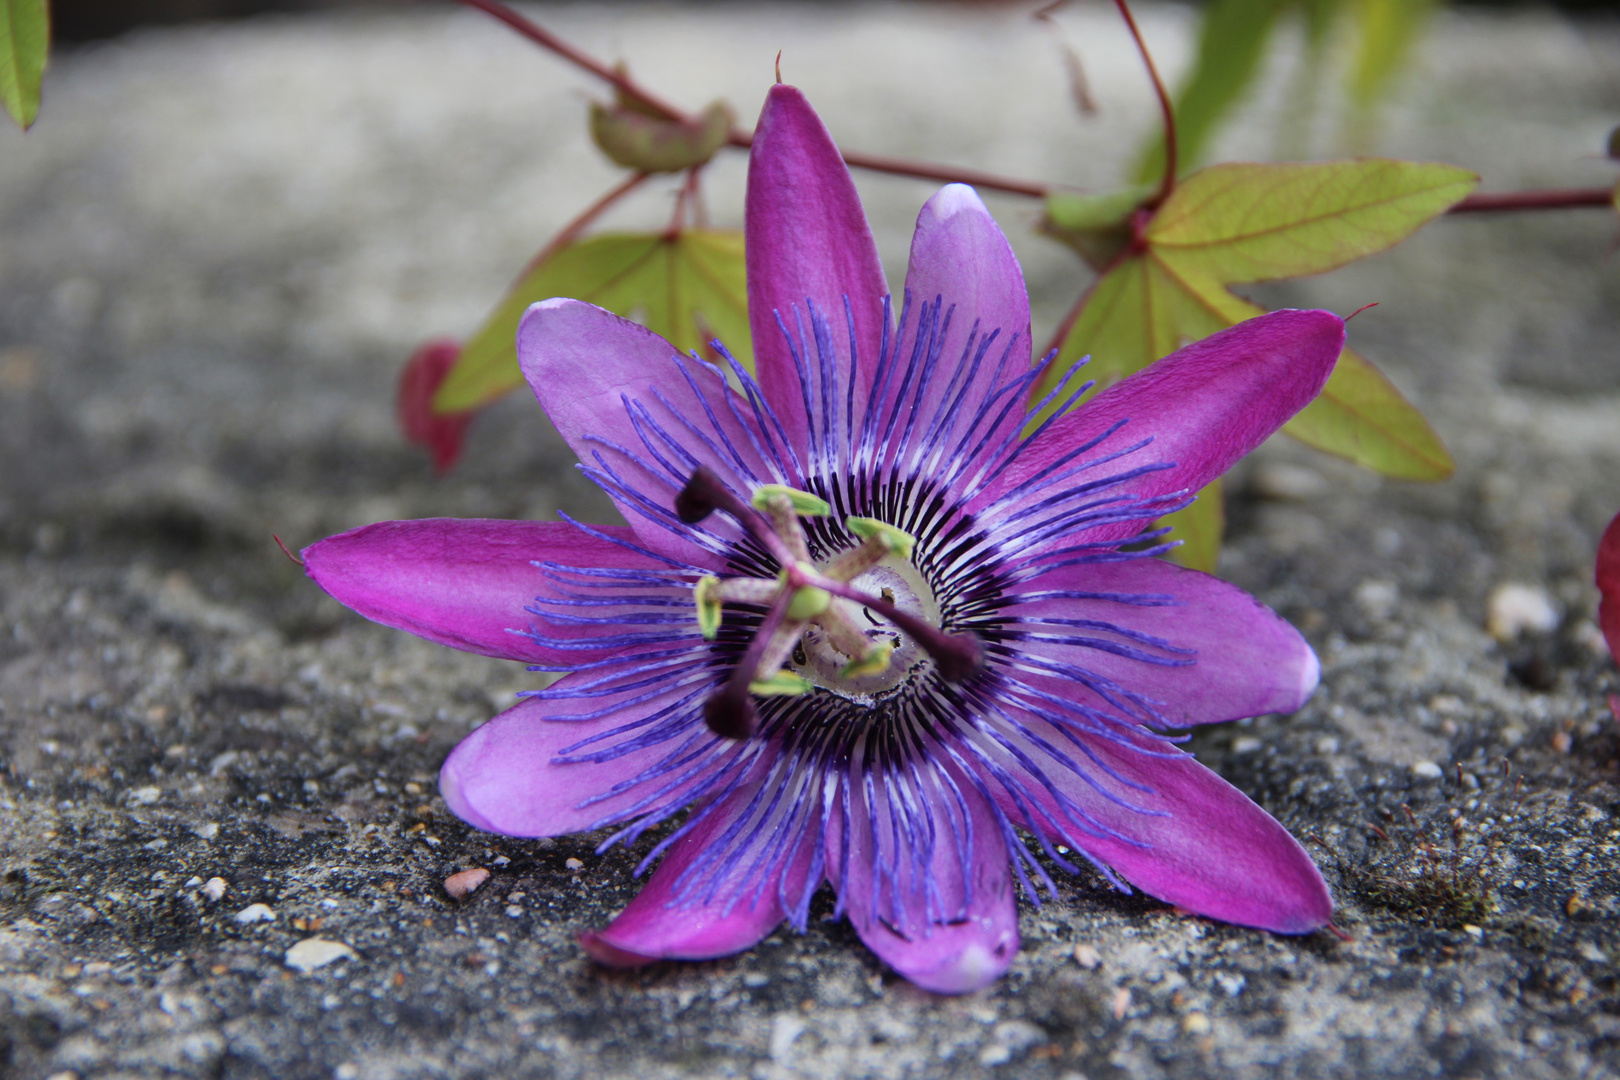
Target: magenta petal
(594, 373)
(808, 239)
(504, 778)
(1224, 655)
(663, 924)
(1204, 406)
(463, 583)
(963, 935)
(1608, 583)
(960, 259)
(1178, 832)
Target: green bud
(894, 539)
(706, 595)
(782, 684)
(650, 144)
(804, 503)
(807, 603)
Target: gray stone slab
(216, 248)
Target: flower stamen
(801, 596)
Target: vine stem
(571, 231)
(1168, 184)
(1540, 199)
(1548, 199)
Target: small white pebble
(462, 885)
(513, 910)
(312, 953)
(993, 1055)
(1513, 609)
(574, 864)
(1195, 1023)
(145, 796)
(215, 888)
(254, 913)
(500, 860)
(1427, 770)
(193, 881)
(1246, 744)
(1087, 956)
(346, 1071)
(1473, 931)
(1377, 599)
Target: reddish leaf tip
(441, 433)
(1608, 583)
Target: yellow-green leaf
(1146, 309)
(1098, 226)
(1199, 528)
(689, 287)
(1388, 30)
(1253, 222)
(651, 144)
(25, 42)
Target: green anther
(900, 543)
(705, 595)
(808, 602)
(875, 662)
(804, 503)
(782, 684)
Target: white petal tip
(953, 199)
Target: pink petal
(967, 936)
(584, 363)
(661, 924)
(808, 239)
(465, 583)
(1204, 406)
(1245, 659)
(1608, 583)
(961, 260)
(503, 778)
(1192, 840)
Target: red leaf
(1608, 583)
(441, 433)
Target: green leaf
(1098, 226)
(25, 42)
(651, 144)
(1230, 45)
(688, 287)
(1255, 222)
(1247, 222)
(1199, 528)
(1388, 31)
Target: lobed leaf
(689, 287)
(1255, 222)
(25, 42)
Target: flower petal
(670, 919)
(1203, 406)
(1608, 583)
(465, 584)
(808, 239)
(1173, 828)
(964, 280)
(938, 906)
(641, 418)
(505, 776)
(1181, 647)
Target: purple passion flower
(865, 626)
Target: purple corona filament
(908, 653)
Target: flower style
(864, 625)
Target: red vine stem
(1168, 184)
(1550, 199)
(1543, 199)
(571, 231)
